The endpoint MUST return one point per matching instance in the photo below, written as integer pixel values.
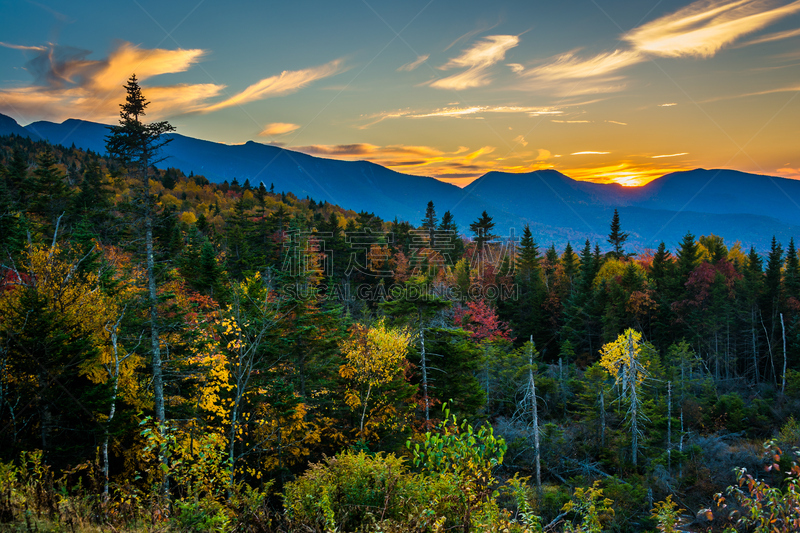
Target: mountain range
(736, 205)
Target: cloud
(670, 104)
(23, 47)
(543, 155)
(589, 153)
(788, 89)
(408, 67)
(461, 112)
(278, 128)
(459, 166)
(570, 74)
(668, 155)
(702, 28)
(788, 34)
(515, 67)
(452, 112)
(787, 172)
(571, 121)
(699, 29)
(615, 122)
(626, 173)
(519, 139)
(68, 84)
(477, 61)
(569, 66)
(286, 82)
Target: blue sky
(607, 91)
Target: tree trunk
(602, 419)
(669, 426)
(755, 351)
(364, 412)
(783, 377)
(155, 341)
(112, 410)
(535, 410)
(634, 401)
(424, 361)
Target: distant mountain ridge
(736, 205)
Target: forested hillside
(180, 355)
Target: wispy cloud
(571, 121)
(668, 155)
(477, 61)
(571, 74)
(515, 67)
(787, 172)
(589, 152)
(278, 128)
(408, 67)
(670, 104)
(700, 29)
(281, 84)
(787, 89)
(23, 47)
(569, 66)
(703, 28)
(459, 166)
(778, 36)
(66, 83)
(519, 139)
(616, 122)
(461, 112)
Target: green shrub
(347, 490)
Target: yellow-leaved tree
(53, 323)
(622, 359)
(374, 356)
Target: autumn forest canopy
(179, 355)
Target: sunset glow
(624, 93)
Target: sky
(602, 90)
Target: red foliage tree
(482, 322)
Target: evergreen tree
(772, 299)
(451, 240)
(137, 145)
(791, 276)
(580, 326)
(17, 173)
(51, 192)
(525, 313)
(752, 288)
(482, 228)
(429, 224)
(239, 258)
(661, 266)
(662, 273)
(168, 180)
(570, 261)
(688, 257)
(772, 277)
(528, 255)
(11, 236)
(550, 267)
(94, 199)
(617, 237)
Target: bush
(348, 490)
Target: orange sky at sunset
(624, 91)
